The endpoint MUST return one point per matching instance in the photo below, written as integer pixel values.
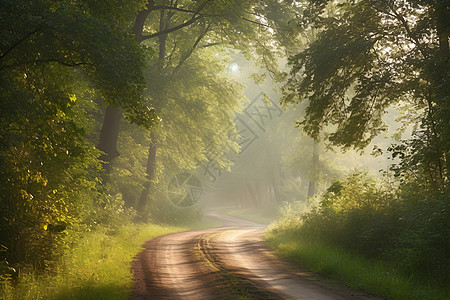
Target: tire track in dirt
(237, 286)
(168, 269)
(244, 253)
(232, 262)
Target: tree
(53, 57)
(369, 55)
(312, 187)
(180, 29)
(258, 29)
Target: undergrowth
(373, 276)
(98, 266)
(382, 236)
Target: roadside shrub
(424, 241)
(382, 219)
(162, 211)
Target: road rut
(231, 262)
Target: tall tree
(180, 29)
(51, 53)
(313, 177)
(259, 29)
(369, 55)
(196, 102)
(111, 125)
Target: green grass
(375, 277)
(98, 267)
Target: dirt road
(231, 262)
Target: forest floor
(231, 262)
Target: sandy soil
(231, 262)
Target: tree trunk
(276, 193)
(151, 163)
(109, 134)
(443, 31)
(273, 165)
(113, 116)
(314, 171)
(253, 197)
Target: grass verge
(375, 277)
(97, 267)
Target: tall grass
(97, 267)
(374, 276)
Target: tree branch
(19, 42)
(257, 23)
(166, 7)
(172, 29)
(411, 35)
(138, 27)
(211, 45)
(195, 17)
(68, 64)
(197, 41)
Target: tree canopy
(55, 58)
(369, 55)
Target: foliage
(96, 266)
(52, 35)
(419, 158)
(374, 276)
(383, 220)
(260, 29)
(55, 58)
(366, 57)
(369, 55)
(196, 101)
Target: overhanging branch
(17, 43)
(255, 22)
(40, 61)
(172, 29)
(151, 7)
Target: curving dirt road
(231, 262)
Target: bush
(380, 219)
